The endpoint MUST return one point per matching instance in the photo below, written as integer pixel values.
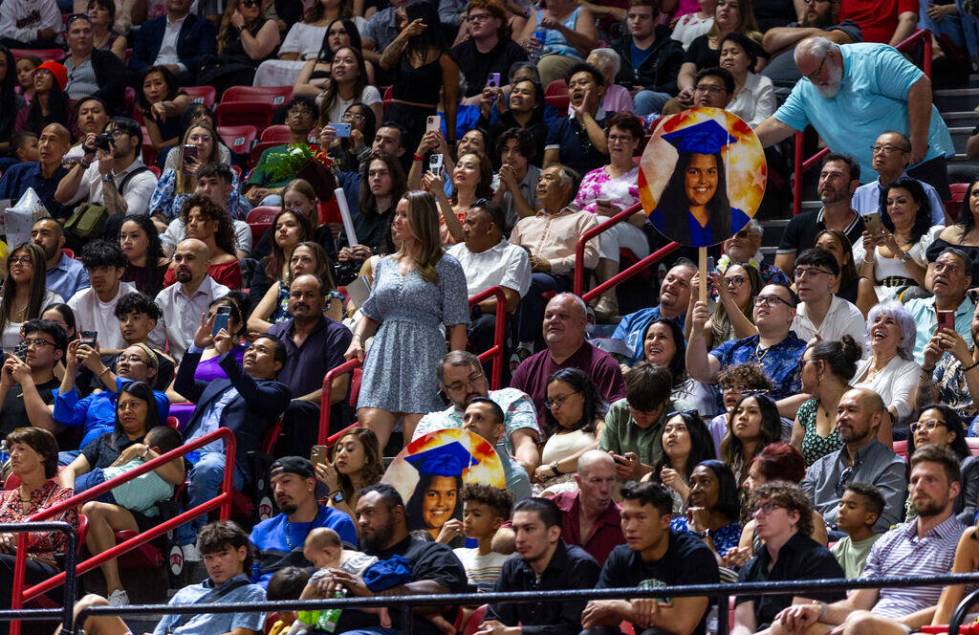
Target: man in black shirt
(489, 48)
(27, 383)
(651, 59)
(543, 562)
(384, 533)
(783, 522)
(653, 556)
(838, 179)
(578, 140)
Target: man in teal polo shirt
(851, 94)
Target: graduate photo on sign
(431, 471)
(702, 176)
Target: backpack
(87, 221)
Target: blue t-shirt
(630, 330)
(872, 99)
(209, 623)
(780, 363)
(280, 543)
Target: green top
(143, 492)
(259, 175)
(852, 555)
(621, 434)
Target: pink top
(685, 7)
(622, 192)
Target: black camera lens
(104, 141)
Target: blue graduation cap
(445, 460)
(707, 137)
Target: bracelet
(555, 470)
(418, 157)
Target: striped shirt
(900, 552)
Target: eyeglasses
(818, 71)
(766, 508)
(249, 3)
(551, 404)
(772, 300)
(734, 281)
(459, 385)
(887, 149)
(36, 342)
(709, 88)
(479, 17)
(803, 272)
(20, 260)
(928, 426)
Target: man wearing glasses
(27, 381)
(948, 279)
(713, 88)
(111, 174)
(862, 459)
(891, 155)
(822, 314)
(838, 179)
(776, 347)
(488, 50)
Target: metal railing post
(20, 565)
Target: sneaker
(191, 554)
(119, 597)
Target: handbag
(87, 221)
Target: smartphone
(20, 352)
(435, 162)
(621, 460)
(190, 152)
(873, 223)
(946, 319)
(89, 338)
(434, 122)
(493, 81)
(710, 264)
(221, 319)
(319, 455)
(342, 129)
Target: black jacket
(110, 75)
(258, 405)
(659, 71)
(196, 39)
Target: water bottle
(330, 618)
(537, 46)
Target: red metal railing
(223, 499)
(622, 276)
(495, 353)
(801, 166)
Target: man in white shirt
(489, 261)
(113, 176)
(215, 181)
(95, 307)
(821, 314)
(29, 23)
(183, 303)
(891, 158)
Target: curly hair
(224, 235)
(922, 220)
(790, 497)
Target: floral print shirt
(622, 191)
(42, 546)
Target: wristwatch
(108, 178)
(338, 498)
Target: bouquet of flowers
(301, 161)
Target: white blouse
(755, 102)
(897, 384)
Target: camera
(104, 141)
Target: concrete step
(773, 233)
(956, 99)
(960, 136)
(961, 118)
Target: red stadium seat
(474, 620)
(244, 113)
(556, 95)
(260, 220)
(42, 54)
(901, 449)
(953, 204)
(279, 133)
(276, 96)
(239, 139)
(71, 254)
(149, 150)
(205, 95)
(155, 170)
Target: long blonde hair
(186, 184)
(423, 218)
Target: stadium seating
(276, 96)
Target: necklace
(759, 353)
(309, 528)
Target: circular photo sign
(430, 472)
(702, 176)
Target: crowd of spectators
(811, 419)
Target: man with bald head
(43, 175)
(183, 303)
(565, 319)
(852, 93)
(590, 517)
(314, 345)
(862, 459)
